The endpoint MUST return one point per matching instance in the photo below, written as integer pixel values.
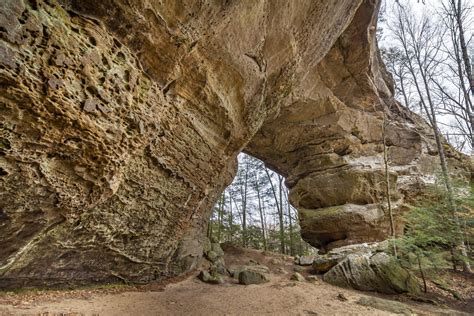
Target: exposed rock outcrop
(323, 263)
(121, 121)
(377, 272)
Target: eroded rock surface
(121, 121)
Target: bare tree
(279, 205)
(260, 207)
(457, 79)
(396, 63)
(421, 39)
(421, 45)
(290, 223)
(243, 193)
(388, 195)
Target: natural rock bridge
(121, 122)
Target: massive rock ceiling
(121, 122)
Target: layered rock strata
(121, 122)
(328, 140)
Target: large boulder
(254, 274)
(188, 255)
(324, 262)
(248, 277)
(378, 272)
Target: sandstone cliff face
(327, 140)
(121, 121)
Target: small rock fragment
(342, 297)
(305, 260)
(312, 278)
(209, 278)
(297, 277)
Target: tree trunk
(462, 40)
(260, 210)
(422, 274)
(231, 219)
(244, 208)
(280, 215)
(220, 215)
(468, 69)
(453, 258)
(405, 97)
(280, 211)
(292, 251)
(387, 181)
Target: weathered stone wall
(121, 121)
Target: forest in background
(254, 211)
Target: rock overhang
(121, 124)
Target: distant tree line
(254, 211)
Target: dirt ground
(189, 296)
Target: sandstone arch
(121, 121)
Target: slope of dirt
(189, 296)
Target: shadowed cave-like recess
(121, 122)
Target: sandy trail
(192, 297)
(280, 296)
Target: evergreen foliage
(434, 231)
